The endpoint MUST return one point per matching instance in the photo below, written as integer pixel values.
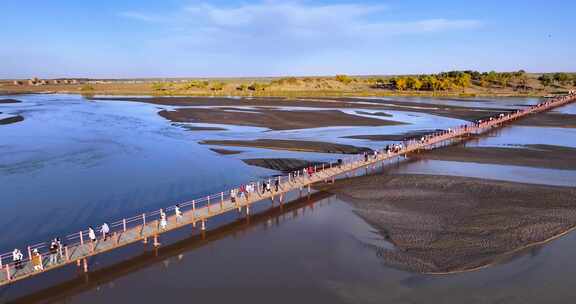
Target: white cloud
(280, 29)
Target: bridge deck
(145, 227)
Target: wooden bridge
(146, 227)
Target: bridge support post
(203, 225)
(156, 242)
(85, 264)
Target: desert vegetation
(462, 83)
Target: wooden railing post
(81, 238)
(221, 200)
(66, 253)
(143, 220)
(208, 205)
(8, 274)
(124, 224)
(29, 253)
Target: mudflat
(445, 224)
(273, 119)
(290, 145)
(538, 156)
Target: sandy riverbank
(442, 224)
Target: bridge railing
(117, 227)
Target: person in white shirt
(17, 257)
(178, 213)
(92, 234)
(105, 230)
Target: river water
(75, 162)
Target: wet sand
(281, 164)
(9, 100)
(538, 156)
(273, 119)
(444, 224)
(11, 120)
(290, 145)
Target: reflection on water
(73, 163)
(313, 251)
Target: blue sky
(183, 38)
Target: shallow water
(74, 162)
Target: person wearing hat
(37, 260)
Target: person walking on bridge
(91, 234)
(178, 213)
(268, 187)
(105, 230)
(37, 260)
(163, 223)
(53, 252)
(17, 257)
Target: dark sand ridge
(282, 164)
(225, 151)
(539, 156)
(9, 100)
(380, 114)
(442, 224)
(11, 120)
(273, 119)
(290, 145)
(196, 128)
